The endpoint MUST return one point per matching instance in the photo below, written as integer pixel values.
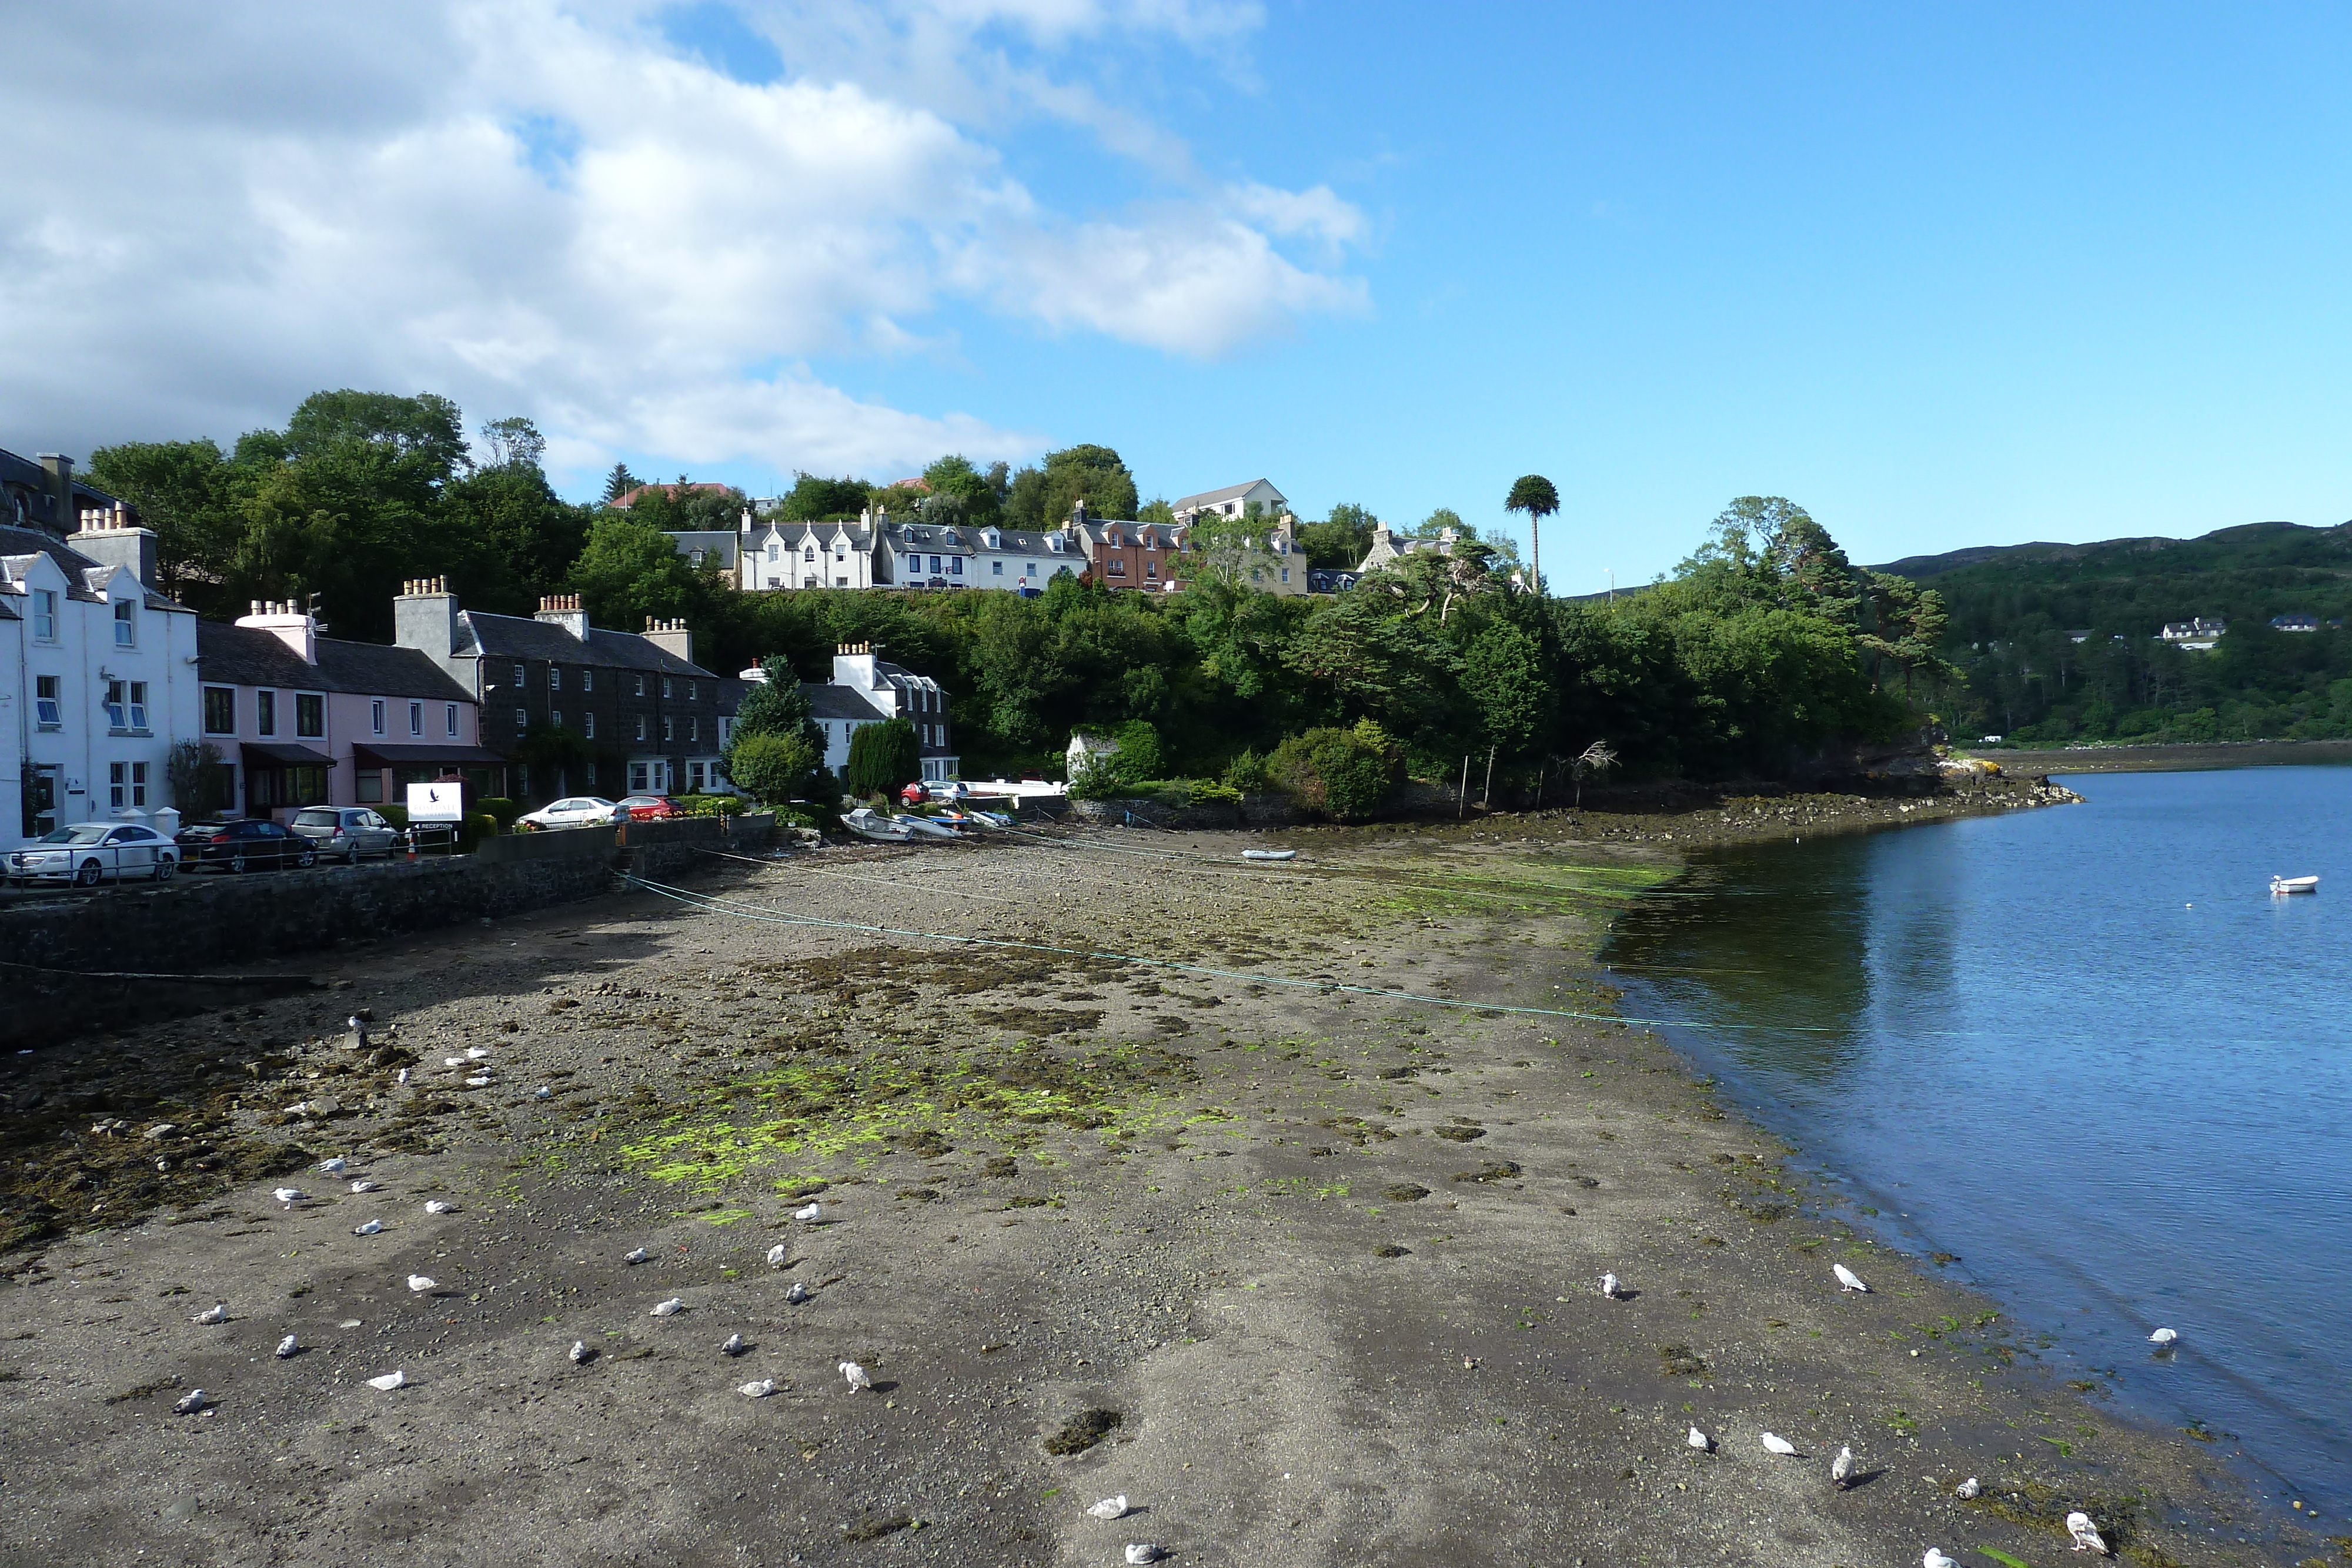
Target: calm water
(2083, 1049)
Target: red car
(648, 809)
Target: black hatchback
(244, 846)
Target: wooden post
(1462, 795)
(1486, 799)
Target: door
(41, 800)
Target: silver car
(349, 831)
(88, 853)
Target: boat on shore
(924, 826)
(868, 823)
(2283, 885)
(1269, 854)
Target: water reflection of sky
(2083, 1049)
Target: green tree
(186, 492)
(953, 478)
(814, 500)
(630, 570)
(1341, 540)
(883, 757)
(1095, 474)
(619, 483)
(1534, 495)
(774, 767)
(775, 705)
(1503, 671)
(1342, 773)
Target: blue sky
(1945, 276)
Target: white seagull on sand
(1109, 1508)
(1699, 1440)
(1610, 1286)
(215, 1314)
(638, 1256)
(813, 1214)
(856, 1375)
(797, 1294)
(777, 1254)
(1968, 1490)
(366, 1185)
(668, 1309)
(420, 1283)
(1842, 1469)
(389, 1381)
(1143, 1551)
(1848, 1280)
(1937, 1559)
(580, 1353)
(287, 1348)
(196, 1399)
(335, 1166)
(434, 1206)
(290, 1196)
(1774, 1443)
(734, 1346)
(2087, 1534)
(759, 1390)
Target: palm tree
(1533, 494)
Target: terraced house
(577, 710)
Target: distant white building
(2197, 635)
(1233, 501)
(864, 689)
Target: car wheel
(236, 863)
(307, 858)
(166, 868)
(88, 875)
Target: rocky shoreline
(1288, 1225)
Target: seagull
(1699, 1440)
(434, 1206)
(215, 1314)
(359, 1032)
(421, 1283)
(1109, 1508)
(290, 1196)
(1848, 1280)
(734, 1346)
(1143, 1551)
(1842, 1469)
(335, 1166)
(1937, 1559)
(777, 1254)
(287, 1348)
(1774, 1443)
(1968, 1489)
(813, 1214)
(668, 1309)
(639, 1256)
(2087, 1534)
(542, 1092)
(1610, 1287)
(2165, 1339)
(856, 1375)
(366, 1185)
(477, 1083)
(797, 1294)
(453, 1061)
(196, 1400)
(370, 1228)
(476, 1052)
(400, 1078)
(759, 1390)
(580, 1354)
(389, 1381)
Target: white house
(1233, 501)
(98, 676)
(2197, 636)
(812, 555)
(866, 690)
(1020, 559)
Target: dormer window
(809, 553)
(993, 539)
(126, 623)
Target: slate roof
(19, 545)
(829, 701)
(248, 656)
(1211, 497)
(487, 636)
(22, 476)
(718, 542)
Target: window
(809, 554)
(126, 624)
(638, 784)
(955, 565)
(116, 698)
(996, 568)
(522, 719)
(311, 716)
(935, 566)
(641, 727)
(841, 582)
(588, 724)
(416, 720)
(45, 615)
(265, 712)
(522, 676)
(220, 710)
(1116, 567)
(48, 711)
(669, 727)
(587, 680)
(1286, 574)
(368, 787)
(640, 684)
(118, 783)
(450, 718)
(693, 729)
(139, 704)
(139, 784)
(375, 715)
(693, 691)
(1151, 568)
(775, 551)
(555, 717)
(555, 677)
(665, 685)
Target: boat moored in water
(2282, 885)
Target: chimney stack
(425, 617)
(293, 624)
(563, 610)
(671, 637)
(106, 537)
(59, 468)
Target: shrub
(504, 809)
(1209, 792)
(884, 758)
(776, 767)
(475, 827)
(1140, 755)
(1344, 774)
(394, 814)
(1245, 774)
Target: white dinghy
(2283, 885)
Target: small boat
(868, 823)
(2282, 885)
(923, 827)
(1269, 854)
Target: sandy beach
(1292, 1233)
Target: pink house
(305, 720)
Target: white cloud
(540, 209)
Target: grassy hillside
(2016, 613)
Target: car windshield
(85, 833)
(317, 818)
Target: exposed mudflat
(1311, 1275)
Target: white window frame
(449, 716)
(126, 623)
(587, 680)
(376, 715)
(522, 719)
(588, 724)
(523, 675)
(45, 615)
(416, 720)
(48, 706)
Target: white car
(88, 853)
(572, 811)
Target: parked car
(349, 831)
(246, 846)
(936, 790)
(649, 809)
(572, 811)
(88, 853)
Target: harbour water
(2084, 1049)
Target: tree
(193, 768)
(814, 500)
(1342, 539)
(619, 483)
(1596, 758)
(953, 478)
(186, 492)
(1095, 474)
(883, 757)
(514, 442)
(773, 768)
(630, 570)
(775, 705)
(1533, 494)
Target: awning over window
(272, 753)
(452, 755)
